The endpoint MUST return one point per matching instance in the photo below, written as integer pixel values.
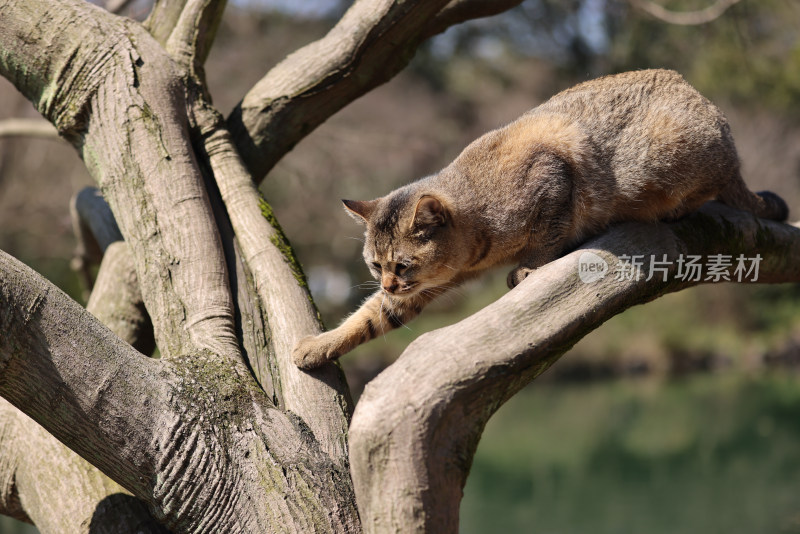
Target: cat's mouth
(406, 290)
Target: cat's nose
(390, 287)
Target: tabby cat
(637, 146)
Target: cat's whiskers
(451, 289)
(380, 324)
(370, 284)
(448, 287)
(435, 292)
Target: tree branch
(95, 229)
(163, 18)
(80, 500)
(191, 39)
(685, 18)
(117, 302)
(320, 398)
(137, 148)
(372, 42)
(28, 128)
(417, 425)
(76, 378)
(200, 444)
(458, 11)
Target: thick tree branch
(191, 39)
(80, 500)
(136, 146)
(198, 442)
(372, 42)
(416, 427)
(321, 398)
(76, 378)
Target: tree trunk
(223, 433)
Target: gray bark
(223, 433)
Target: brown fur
(638, 146)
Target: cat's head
(409, 241)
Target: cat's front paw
(313, 351)
(518, 275)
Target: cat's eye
(400, 267)
(376, 266)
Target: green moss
(280, 240)
(208, 385)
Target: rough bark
(200, 416)
(159, 426)
(77, 498)
(416, 426)
(108, 68)
(316, 397)
(80, 499)
(194, 436)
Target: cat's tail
(764, 204)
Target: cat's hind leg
(765, 204)
(532, 260)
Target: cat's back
(635, 113)
(615, 101)
(619, 122)
(626, 138)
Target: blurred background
(680, 416)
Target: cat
(636, 146)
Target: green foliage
(710, 454)
(12, 526)
(749, 56)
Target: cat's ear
(360, 210)
(429, 212)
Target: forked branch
(163, 18)
(94, 62)
(417, 425)
(193, 34)
(321, 398)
